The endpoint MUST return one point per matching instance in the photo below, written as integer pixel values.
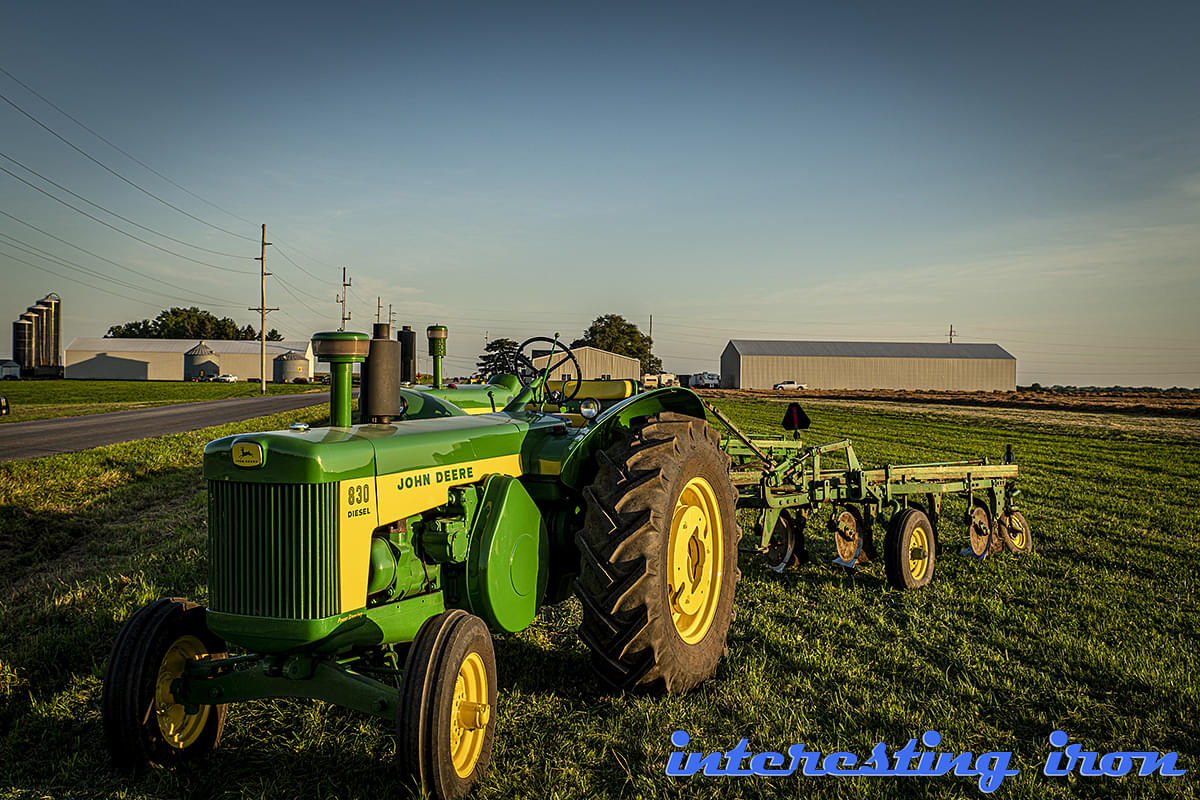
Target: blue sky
(1027, 172)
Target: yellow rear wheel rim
(918, 553)
(179, 729)
(695, 559)
(469, 714)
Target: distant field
(1095, 634)
(43, 399)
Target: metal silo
(289, 366)
(24, 351)
(53, 352)
(41, 340)
(200, 363)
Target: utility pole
(379, 309)
(342, 299)
(391, 315)
(263, 311)
(951, 333)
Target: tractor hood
(323, 455)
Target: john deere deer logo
(247, 454)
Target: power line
(109, 169)
(294, 264)
(118, 230)
(292, 291)
(77, 280)
(82, 249)
(115, 214)
(125, 153)
(46, 254)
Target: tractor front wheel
(658, 556)
(143, 723)
(447, 711)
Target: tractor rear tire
(446, 718)
(142, 724)
(909, 551)
(659, 556)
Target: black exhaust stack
(408, 354)
(379, 398)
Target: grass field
(1096, 634)
(45, 399)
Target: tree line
(188, 323)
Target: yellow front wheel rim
(695, 560)
(918, 553)
(469, 714)
(179, 729)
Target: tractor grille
(272, 549)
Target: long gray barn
(177, 359)
(760, 364)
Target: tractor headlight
(589, 407)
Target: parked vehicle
(226, 378)
(789, 386)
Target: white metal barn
(595, 363)
(760, 364)
(169, 359)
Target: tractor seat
(601, 390)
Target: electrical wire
(109, 169)
(294, 264)
(81, 282)
(123, 152)
(77, 247)
(115, 214)
(293, 292)
(46, 254)
(118, 230)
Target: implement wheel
(851, 536)
(909, 550)
(658, 556)
(979, 529)
(447, 713)
(785, 548)
(143, 723)
(1014, 530)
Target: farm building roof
(200, 350)
(542, 353)
(767, 347)
(218, 346)
(291, 355)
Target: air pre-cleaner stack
(437, 350)
(379, 399)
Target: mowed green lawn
(1096, 633)
(43, 399)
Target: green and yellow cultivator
(369, 564)
(785, 483)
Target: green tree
(614, 333)
(496, 357)
(187, 323)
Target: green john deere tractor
(369, 564)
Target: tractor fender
(579, 468)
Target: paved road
(47, 437)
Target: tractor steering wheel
(526, 372)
